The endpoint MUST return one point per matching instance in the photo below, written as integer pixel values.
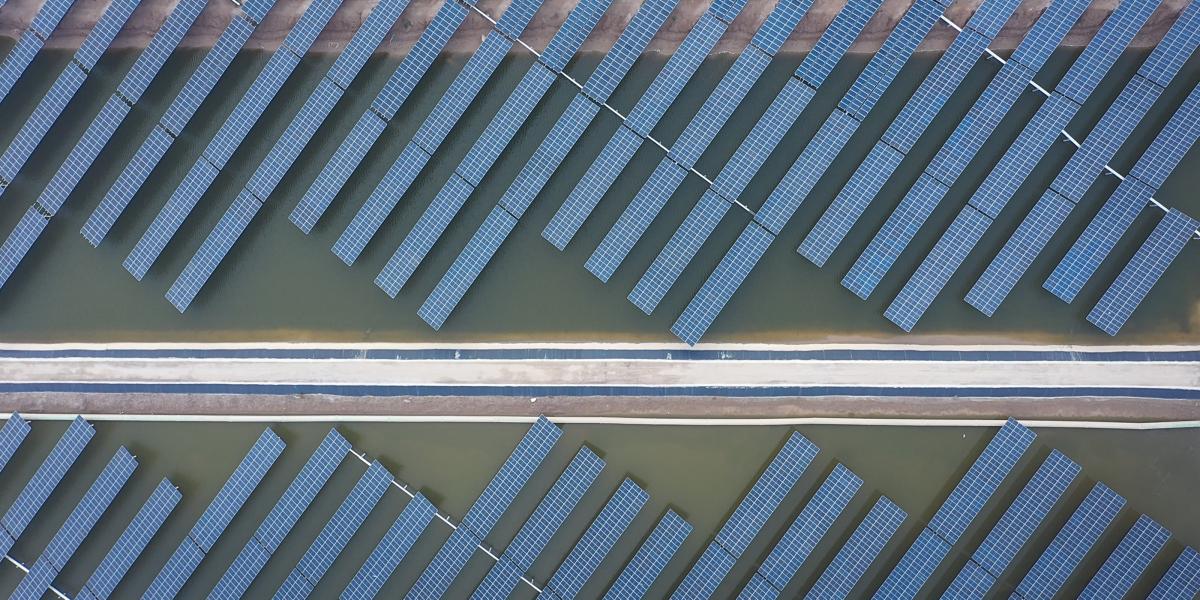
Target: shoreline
(16, 15)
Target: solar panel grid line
(1043, 38)
(596, 182)
(336, 533)
(602, 533)
(683, 245)
(169, 218)
(251, 107)
(77, 526)
(541, 526)
(809, 527)
(48, 17)
(635, 220)
(241, 573)
(20, 241)
(1103, 50)
(982, 480)
(850, 203)
(1071, 544)
(234, 492)
(936, 269)
(213, 250)
(779, 24)
(257, 9)
(835, 41)
(569, 37)
(445, 567)
(1176, 46)
(494, 500)
(918, 563)
(176, 571)
(15, 429)
(287, 148)
(39, 122)
(372, 123)
(859, 552)
(86, 150)
(18, 59)
(628, 47)
(45, 479)
(1128, 561)
(766, 494)
(720, 286)
(102, 33)
(757, 588)
(177, 115)
(366, 40)
(466, 268)
(549, 155)
(104, 580)
(971, 582)
(651, 558)
(1171, 144)
(156, 53)
(879, 74)
(1143, 271)
(706, 574)
(1182, 578)
(391, 549)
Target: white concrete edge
(1049, 424)
(950, 346)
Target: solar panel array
(599, 538)
(1017, 163)
(235, 128)
(872, 534)
(391, 550)
(1127, 562)
(11, 435)
(284, 153)
(79, 524)
(1182, 578)
(31, 41)
(1071, 544)
(433, 131)
(487, 149)
(374, 121)
(651, 558)
(213, 521)
(44, 480)
(137, 535)
(535, 534)
(549, 155)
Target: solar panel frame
(446, 565)
(12, 434)
(766, 494)
(176, 571)
(18, 59)
(466, 267)
(596, 182)
(366, 40)
(102, 33)
(86, 150)
(651, 558)
(635, 220)
(900, 44)
(320, 195)
(205, 77)
(603, 532)
(860, 550)
(680, 68)
(809, 527)
(1046, 34)
(910, 575)
(302, 35)
(164, 42)
(43, 482)
(839, 35)
(981, 480)
(1128, 561)
(679, 251)
(1176, 46)
(721, 284)
(424, 234)
(234, 492)
(1181, 579)
(391, 550)
(516, 17)
(566, 41)
(133, 541)
(257, 9)
(757, 588)
(380, 204)
(971, 582)
(504, 126)
(317, 107)
(118, 197)
(49, 16)
(169, 219)
(1072, 542)
(1171, 144)
(546, 159)
(1102, 51)
(39, 122)
(520, 465)
(629, 46)
(850, 203)
(212, 251)
(778, 26)
(706, 574)
(20, 241)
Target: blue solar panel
(417, 244)
(78, 525)
(870, 177)
(39, 122)
(971, 582)
(159, 49)
(990, 17)
(720, 286)
(767, 493)
(450, 560)
(1043, 38)
(392, 549)
(1175, 48)
(283, 516)
(1126, 564)
(810, 526)
(635, 219)
(213, 250)
(1171, 144)
(287, 148)
(1098, 239)
(248, 110)
(758, 589)
(368, 37)
(306, 30)
(938, 87)
(837, 38)
(598, 540)
(18, 60)
(336, 533)
(1022, 518)
(516, 17)
(868, 539)
(669, 82)
(936, 269)
(595, 183)
(891, 239)
(887, 62)
(257, 9)
(570, 35)
(549, 155)
(706, 574)
(48, 16)
(1182, 580)
(512, 476)
(981, 481)
(778, 26)
(44, 480)
(611, 70)
(373, 122)
(1143, 271)
(717, 109)
(820, 152)
(145, 524)
(168, 220)
(83, 154)
(1103, 49)
(541, 526)
(651, 558)
(172, 123)
(103, 32)
(1072, 543)
(11, 435)
(1018, 252)
(20, 241)
(679, 251)
(467, 267)
(915, 567)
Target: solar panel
(44, 480)
(467, 267)
(368, 37)
(372, 123)
(990, 18)
(391, 550)
(598, 540)
(1022, 518)
(766, 494)
(645, 23)
(1125, 565)
(981, 480)
(435, 580)
(758, 588)
(11, 435)
(172, 123)
(868, 539)
(1103, 49)
(48, 17)
(706, 574)
(283, 516)
(1171, 144)
(168, 220)
(257, 9)
(288, 147)
(938, 266)
(891, 239)
(516, 17)
(212, 523)
(971, 582)
(1174, 49)
(512, 476)
(809, 527)
(40, 121)
(1098, 239)
(20, 241)
(591, 189)
(850, 203)
(213, 250)
(1182, 579)
(18, 60)
(120, 558)
(1043, 38)
(1073, 541)
(1152, 259)
(159, 49)
(915, 567)
(534, 175)
(305, 31)
(717, 290)
(651, 558)
(635, 219)
(679, 251)
(887, 62)
(580, 22)
(78, 525)
(86, 150)
(778, 26)
(336, 533)
(541, 526)
(103, 32)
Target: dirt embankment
(16, 15)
